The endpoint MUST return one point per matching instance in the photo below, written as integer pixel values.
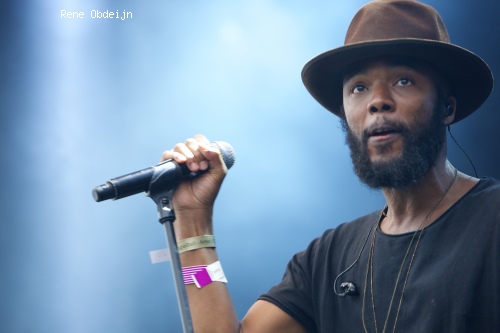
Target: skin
(379, 91)
(384, 90)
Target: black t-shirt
(453, 284)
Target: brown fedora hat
(400, 28)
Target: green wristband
(194, 243)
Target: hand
(194, 197)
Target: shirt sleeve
(293, 294)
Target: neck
(419, 204)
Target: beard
(421, 147)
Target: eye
(404, 81)
(357, 88)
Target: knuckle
(201, 138)
(178, 147)
(167, 154)
(191, 141)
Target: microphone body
(166, 175)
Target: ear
(450, 109)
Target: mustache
(384, 126)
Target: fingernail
(193, 166)
(203, 165)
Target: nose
(381, 99)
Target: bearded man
(429, 261)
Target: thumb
(213, 154)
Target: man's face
(394, 122)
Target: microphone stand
(162, 178)
(163, 200)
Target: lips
(382, 130)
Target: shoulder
(477, 212)
(308, 276)
(486, 192)
(487, 183)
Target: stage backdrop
(91, 90)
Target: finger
(213, 156)
(197, 161)
(173, 155)
(180, 153)
(201, 138)
(203, 142)
(183, 149)
(189, 153)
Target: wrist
(192, 224)
(202, 256)
(195, 243)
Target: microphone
(170, 171)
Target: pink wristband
(202, 275)
(202, 278)
(189, 272)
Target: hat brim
(470, 77)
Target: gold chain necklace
(369, 266)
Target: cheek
(354, 119)
(354, 106)
(422, 113)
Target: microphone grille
(226, 151)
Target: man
(430, 260)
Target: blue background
(85, 100)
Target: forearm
(211, 307)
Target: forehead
(364, 66)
